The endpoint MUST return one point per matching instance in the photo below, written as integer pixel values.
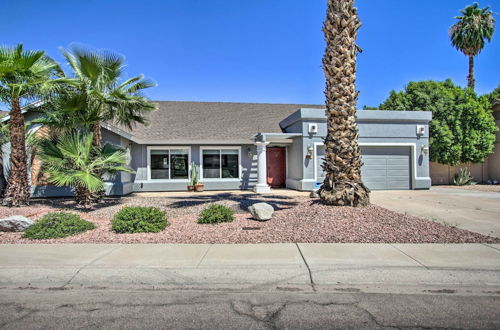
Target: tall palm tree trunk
(470, 78)
(17, 192)
(3, 182)
(94, 197)
(97, 136)
(342, 185)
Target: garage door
(386, 167)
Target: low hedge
(138, 219)
(58, 225)
(216, 213)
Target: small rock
(261, 211)
(15, 223)
(314, 194)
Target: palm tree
(32, 145)
(343, 184)
(24, 75)
(67, 112)
(72, 160)
(468, 35)
(102, 93)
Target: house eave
(193, 142)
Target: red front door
(276, 167)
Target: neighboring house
(481, 172)
(261, 146)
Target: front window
(169, 164)
(221, 163)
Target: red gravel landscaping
(297, 219)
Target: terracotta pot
(199, 187)
(190, 188)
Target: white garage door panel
(386, 167)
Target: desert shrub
(215, 213)
(57, 225)
(463, 177)
(138, 219)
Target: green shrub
(462, 128)
(139, 219)
(56, 225)
(216, 213)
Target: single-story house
(261, 146)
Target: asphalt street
(155, 309)
(266, 286)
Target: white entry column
(262, 186)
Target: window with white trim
(169, 164)
(221, 163)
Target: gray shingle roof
(212, 122)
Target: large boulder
(261, 211)
(15, 223)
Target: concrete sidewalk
(247, 266)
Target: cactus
(194, 174)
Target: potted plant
(198, 185)
(193, 178)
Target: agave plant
(72, 160)
(463, 177)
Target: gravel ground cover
(297, 219)
(476, 187)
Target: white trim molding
(315, 162)
(148, 162)
(220, 179)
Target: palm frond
(469, 33)
(108, 97)
(72, 160)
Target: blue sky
(254, 51)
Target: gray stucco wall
(141, 182)
(294, 165)
(376, 128)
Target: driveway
(476, 211)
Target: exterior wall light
(424, 149)
(310, 150)
(249, 153)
